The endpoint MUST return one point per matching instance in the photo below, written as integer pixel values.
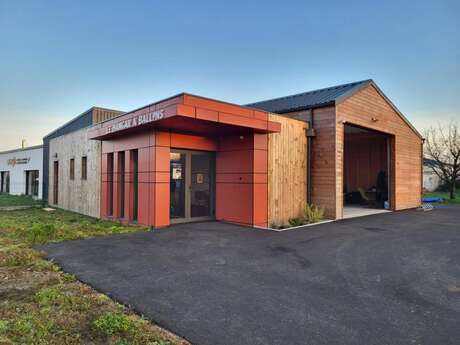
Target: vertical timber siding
(360, 109)
(323, 165)
(287, 170)
(101, 114)
(324, 168)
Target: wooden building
(190, 158)
(357, 134)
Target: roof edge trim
(69, 122)
(35, 147)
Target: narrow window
(84, 168)
(4, 185)
(134, 159)
(7, 182)
(27, 182)
(110, 182)
(35, 182)
(56, 182)
(121, 171)
(72, 168)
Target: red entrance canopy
(187, 113)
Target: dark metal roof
(81, 121)
(321, 98)
(310, 99)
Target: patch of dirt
(19, 284)
(25, 279)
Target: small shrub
(124, 342)
(31, 327)
(297, 221)
(313, 213)
(40, 233)
(68, 277)
(3, 326)
(47, 296)
(158, 342)
(46, 265)
(18, 257)
(111, 323)
(24, 326)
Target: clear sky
(59, 58)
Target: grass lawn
(17, 200)
(40, 304)
(446, 196)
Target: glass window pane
(177, 185)
(200, 185)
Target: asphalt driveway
(384, 279)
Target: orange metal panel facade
(236, 134)
(241, 180)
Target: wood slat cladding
(101, 114)
(367, 108)
(287, 170)
(323, 168)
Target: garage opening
(366, 175)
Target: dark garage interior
(366, 173)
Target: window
(5, 182)
(121, 181)
(56, 183)
(84, 169)
(135, 170)
(72, 168)
(32, 182)
(110, 183)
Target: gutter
(310, 135)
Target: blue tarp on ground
(432, 199)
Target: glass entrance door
(32, 182)
(191, 186)
(177, 185)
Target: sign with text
(14, 161)
(137, 121)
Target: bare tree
(442, 144)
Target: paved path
(385, 279)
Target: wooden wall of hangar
(323, 162)
(369, 109)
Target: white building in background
(21, 171)
(431, 180)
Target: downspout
(310, 135)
